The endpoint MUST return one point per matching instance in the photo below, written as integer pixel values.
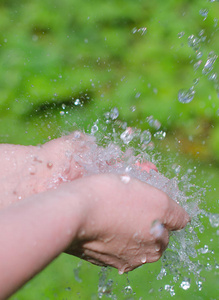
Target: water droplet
(128, 290)
(143, 259)
(196, 81)
(35, 37)
(63, 106)
(145, 137)
(77, 102)
(176, 168)
(181, 34)
(213, 77)
(127, 135)
(185, 285)
(204, 13)
(210, 63)
(76, 273)
(162, 273)
(137, 95)
(203, 250)
(160, 135)
(68, 289)
(199, 284)
(125, 178)
(201, 229)
(186, 96)
(170, 288)
(176, 278)
(114, 113)
(214, 220)
(133, 108)
(194, 42)
(157, 248)
(94, 129)
(199, 55)
(201, 32)
(156, 124)
(141, 30)
(197, 65)
(157, 229)
(215, 22)
(61, 113)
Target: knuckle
(164, 206)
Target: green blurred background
(63, 64)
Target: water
(121, 155)
(186, 252)
(209, 65)
(204, 13)
(185, 285)
(197, 42)
(186, 96)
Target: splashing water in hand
(118, 157)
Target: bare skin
(99, 218)
(27, 170)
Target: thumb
(176, 217)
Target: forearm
(33, 232)
(18, 172)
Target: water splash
(186, 96)
(105, 286)
(127, 135)
(116, 156)
(160, 135)
(212, 57)
(185, 284)
(181, 34)
(194, 42)
(204, 13)
(141, 30)
(114, 113)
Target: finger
(102, 259)
(146, 166)
(176, 217)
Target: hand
(125, 224)
(27, 170)
(106, 219)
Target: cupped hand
(126, 222)
(109, 220)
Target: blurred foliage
(105, 53)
